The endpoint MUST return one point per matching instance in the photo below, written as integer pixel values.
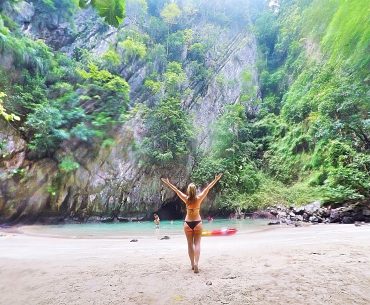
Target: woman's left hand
(165, 180)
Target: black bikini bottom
(193, 224)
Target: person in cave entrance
(193, 221)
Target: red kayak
(220, 232)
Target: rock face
(111, 182)
(315, 213)
(209, 100)
(86, 30)
(21, 12)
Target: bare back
(193, 208)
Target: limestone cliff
(111, 181)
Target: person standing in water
(193, 221)
(156, 220)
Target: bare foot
(196, 270)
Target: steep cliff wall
(112, 181)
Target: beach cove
(316, 264)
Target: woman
(193, 221)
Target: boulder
(298, 218)
(366, 211)
(334, 216)
(313, 219)
(298, 210)
(312, 207)
(347, 220)
(262, 214)
(273, 211)
(107, 219)
(305, 216)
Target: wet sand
(323, 264)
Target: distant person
(193, 221)
(156, 220)
(210, 218)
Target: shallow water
(136, 229)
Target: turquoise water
(135, 229)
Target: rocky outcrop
(21, 12)
(85, 30)
(355, 212)
(109, 182)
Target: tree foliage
(3, 113)
(170, 13)
(316, 86)
(133, 49)
(169, 132)
(113, 11)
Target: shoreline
(28, 230)
(36, 231)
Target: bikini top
(192, 210)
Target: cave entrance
(172, 210)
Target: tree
(46, 123)
(133, 49)
(170, 13)
(174, 77)
(113, 11)
(105, 93)
(169, 132)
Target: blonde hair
(191, 191)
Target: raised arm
(182, 196)
(204, 193)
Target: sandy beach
(322, 264)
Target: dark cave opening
(172, 210)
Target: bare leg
(190, 239)
(197, 238)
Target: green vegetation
(133, 49)
(169, 132)
(310, 138)
(303, 134)
(314, 79)
(113, 11)
(68, 165)
(3, 113)
(170, 13)
(232, 154)
(40, 92)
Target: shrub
(68, 165)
